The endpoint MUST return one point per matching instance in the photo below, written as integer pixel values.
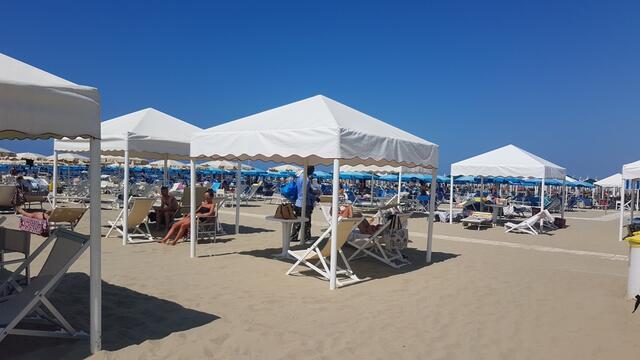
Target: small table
(287, 224)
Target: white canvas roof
(613, 181)
(631, 171)
(30, 156)
(170, 163)
(224, 165)
(69, 157)
(319, 130)
(38, 105)
(508, 161)
(153, 135)
(7, 152)
(286, 168)
(385, 169)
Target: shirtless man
(166, 210)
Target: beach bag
(290, 191)
(34, 226)
(285, 211)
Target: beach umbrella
(286, 168)
(6, 153)
(31, 156)
(170, 163)
(224, 165)
(69, 157)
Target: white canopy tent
(317, 130)
(224, 165)
(285, 168)
(147, 133)
(507, 161)
(613, 181)
(631, 173)
(31, 156)
(37, 105)
(169, 163)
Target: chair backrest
(67, 248)
(67, 214)
(140, 208)
(7, 193)
(185, 202)
(532, 220)
(15, 241)
(345, 228)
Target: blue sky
(558, 78)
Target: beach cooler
(633, 280)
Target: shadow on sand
(128, 318)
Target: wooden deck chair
(138, 218)
(526, 226)
(30, 302)
(66, 217)
(375, 246)
(317, 259)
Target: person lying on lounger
(40, 215)
(181, 227)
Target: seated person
(180, 227)
(166, 210)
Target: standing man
(311, 200)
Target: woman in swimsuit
(180, 227)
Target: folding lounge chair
(14, 241)
(478, 219)
(30, 302)
(7, 193)
(185, 201)
(318, 259)
(526, 226)
(138, 217)
(250, 194)
(374, 245)
(66, 216)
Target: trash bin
(633, 281)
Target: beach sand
(487, 295)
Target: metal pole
(564, 197)
(165, 172)
(399, 184)
(192, 209)
(238, 175)
(432, 208)
(451, 200)
(542, 205)
(95, 275)
(54, 178)
(621, 211)
(305, 185)
(125, 196)
(334, 224)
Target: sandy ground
(488, 295)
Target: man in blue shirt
(311, 199)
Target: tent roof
(31, 156)
(37, 105)
(613, 181)
(384, 169)
(508, 161)
(152, 134)
(6, 152)
(631, 171)
(319, 130)
(69, 157)
(225, 165)
(170, 163)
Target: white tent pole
(633, 197)
(165, 171)
(481, 193)
(54, 178)
(125, 196)
(564, 197)
(621, 210)
(95, 276)
(192, 210)
(432, 208)
(542, 204)
(305, 185)
(372, 188)
(238, 176)
(334, 223)
(451, 200)
(399, 184)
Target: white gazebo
(148, 133)
(37, 105)
(69, 157)
(631, 173)
(508, 161)
(317, 130)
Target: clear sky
(558, 78)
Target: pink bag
(34, 226)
